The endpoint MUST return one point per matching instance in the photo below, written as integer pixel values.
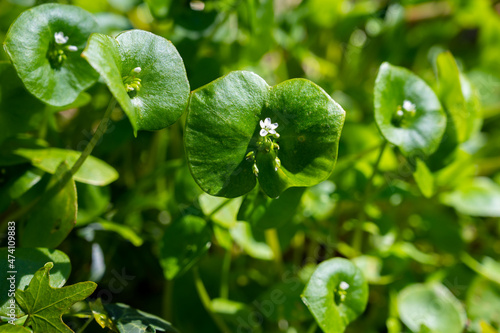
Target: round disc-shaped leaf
(45, 44)
(309, 124)
(407, 111)
(432, 306)
(225, 145)
(336, 294)
(146, 75)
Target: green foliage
(431, 306)
(45, 305)
(145, 74)
(45, 44)
(336, 294)
(335, 168)
(227, 150)
(407, 111)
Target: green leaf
(407, 111)
(7, 328)
(183, 243)
(424, 179)
(45, 305)
(483, 301)
(264, 213)
(336, 294)
(130, 320)
(101, 316)
(123, 230)
(224, 148)
(458, 98)
(433, 306)
(49, 70)
(54, 216)
(477, 197)
(93, 171)
(222, 211)
(28, 261)
(150, 67)
(19, 111)
(252, 241)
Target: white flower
(137, 70)
(72, 48)
(267, 127)
(344, 285)
(60, 38)
(409, 106)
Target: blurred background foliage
(338, 44)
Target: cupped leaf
(7, 328)
(145, 74)
(93, 171)
(130, 320)
(407, 111)
(336, 294)
(45, 305)
(45, 44)
(230, 141)
(431, 306)
(54, 216)
(28, 261)
(183, 243)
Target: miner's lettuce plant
(356, 196)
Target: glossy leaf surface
(407, 111)
(145, 74)
(224, 126)
(336, 294)
(48, 69)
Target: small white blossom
(409, 106)
(72, 48)
(137, 70)
(267, 127)
(344, 285)
(60, 38)
(400, 113)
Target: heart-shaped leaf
(183, 243)
(145, 74)
(28, 261)
(45, 44)
(239, 129)
(432, 306)
(336, 294)
(407, 111)
(54, 216)
(46, 305)
(93, 171)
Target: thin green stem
(54, 189)
(207, 302)
(168, 288)
(87, 323)
(357, 239)
(273, 241)
(224, 280)
(101, 129)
